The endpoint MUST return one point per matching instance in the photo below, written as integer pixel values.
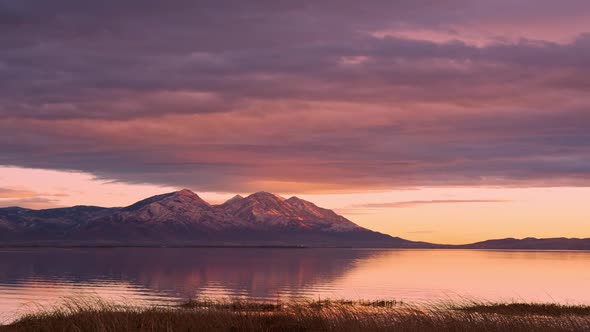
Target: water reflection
(184, 273)
(165, 275)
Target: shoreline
(155, 246)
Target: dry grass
(359, 303)
(519, 309)
(327, 315)
(232, 305)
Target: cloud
(351, 211)
(307, 149)
(29, 199)
(31, 203)
(404, 204)
(306, 96)
(14, 193)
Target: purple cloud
(230, 96)
(404, 204)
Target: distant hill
(182, 218)
(532, 243)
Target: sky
(446, 121)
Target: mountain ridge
(182, 217)
(185, 219)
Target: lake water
(164, 276)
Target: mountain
(183, 218)
(532, 243)
(265, 211)
(17, 224)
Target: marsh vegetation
(325, 315)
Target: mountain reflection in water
(185, 272)
(170, 275)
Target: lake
(164, 276)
